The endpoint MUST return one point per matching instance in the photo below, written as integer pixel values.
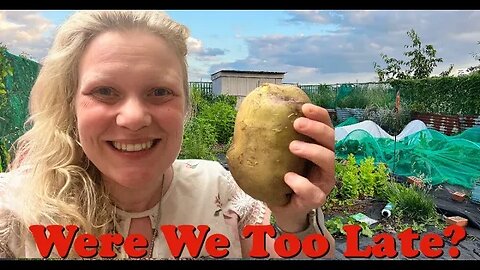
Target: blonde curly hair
(59, 185)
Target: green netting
(347, 122)
(14, 102)
(437, 157)
(343, 91)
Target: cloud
(26, 32)
(198, 73)
(306, 58)
(195, 47)
(344, 47)
(212, 52)
(6, 25)
(308, 16)
(347, 51)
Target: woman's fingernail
(295, 145)
(299, 123)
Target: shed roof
(249, 71)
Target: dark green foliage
(20, 75)
(442, 95)
(198, 140)
(221, 116)
(4, 156)
(355, 99)
(322, 95)
(412, 205)
(230, 100)
(6, 69)
(210, 128)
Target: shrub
(348, 175)
(358, 181)
(367, 177)
(390, 121)
(198, 140)
(355, 99)
(381, 178)
(231, 100)
(442, 95)
(412, 204)
(324, 96)
(4, 156)
(221, 116)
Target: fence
(310, 88)
(448, 124)
(204, 87)
(335, 92)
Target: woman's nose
(133, 115)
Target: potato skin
(259, 156)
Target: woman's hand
(310, 192)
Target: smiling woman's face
(130, 106)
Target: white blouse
(201, 193)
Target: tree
(420, 64)
(477, 57)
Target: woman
(108, 110)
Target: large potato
(259, 155)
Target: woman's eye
(104, 91)
(159, 92)
(105, 94)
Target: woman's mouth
(134, 147)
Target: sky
(312, 47)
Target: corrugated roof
(248, 71)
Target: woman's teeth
(133, 147)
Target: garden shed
(239, 83)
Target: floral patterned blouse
(201, 193)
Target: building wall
(243, 83)
(217, 87)
(242, 86)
